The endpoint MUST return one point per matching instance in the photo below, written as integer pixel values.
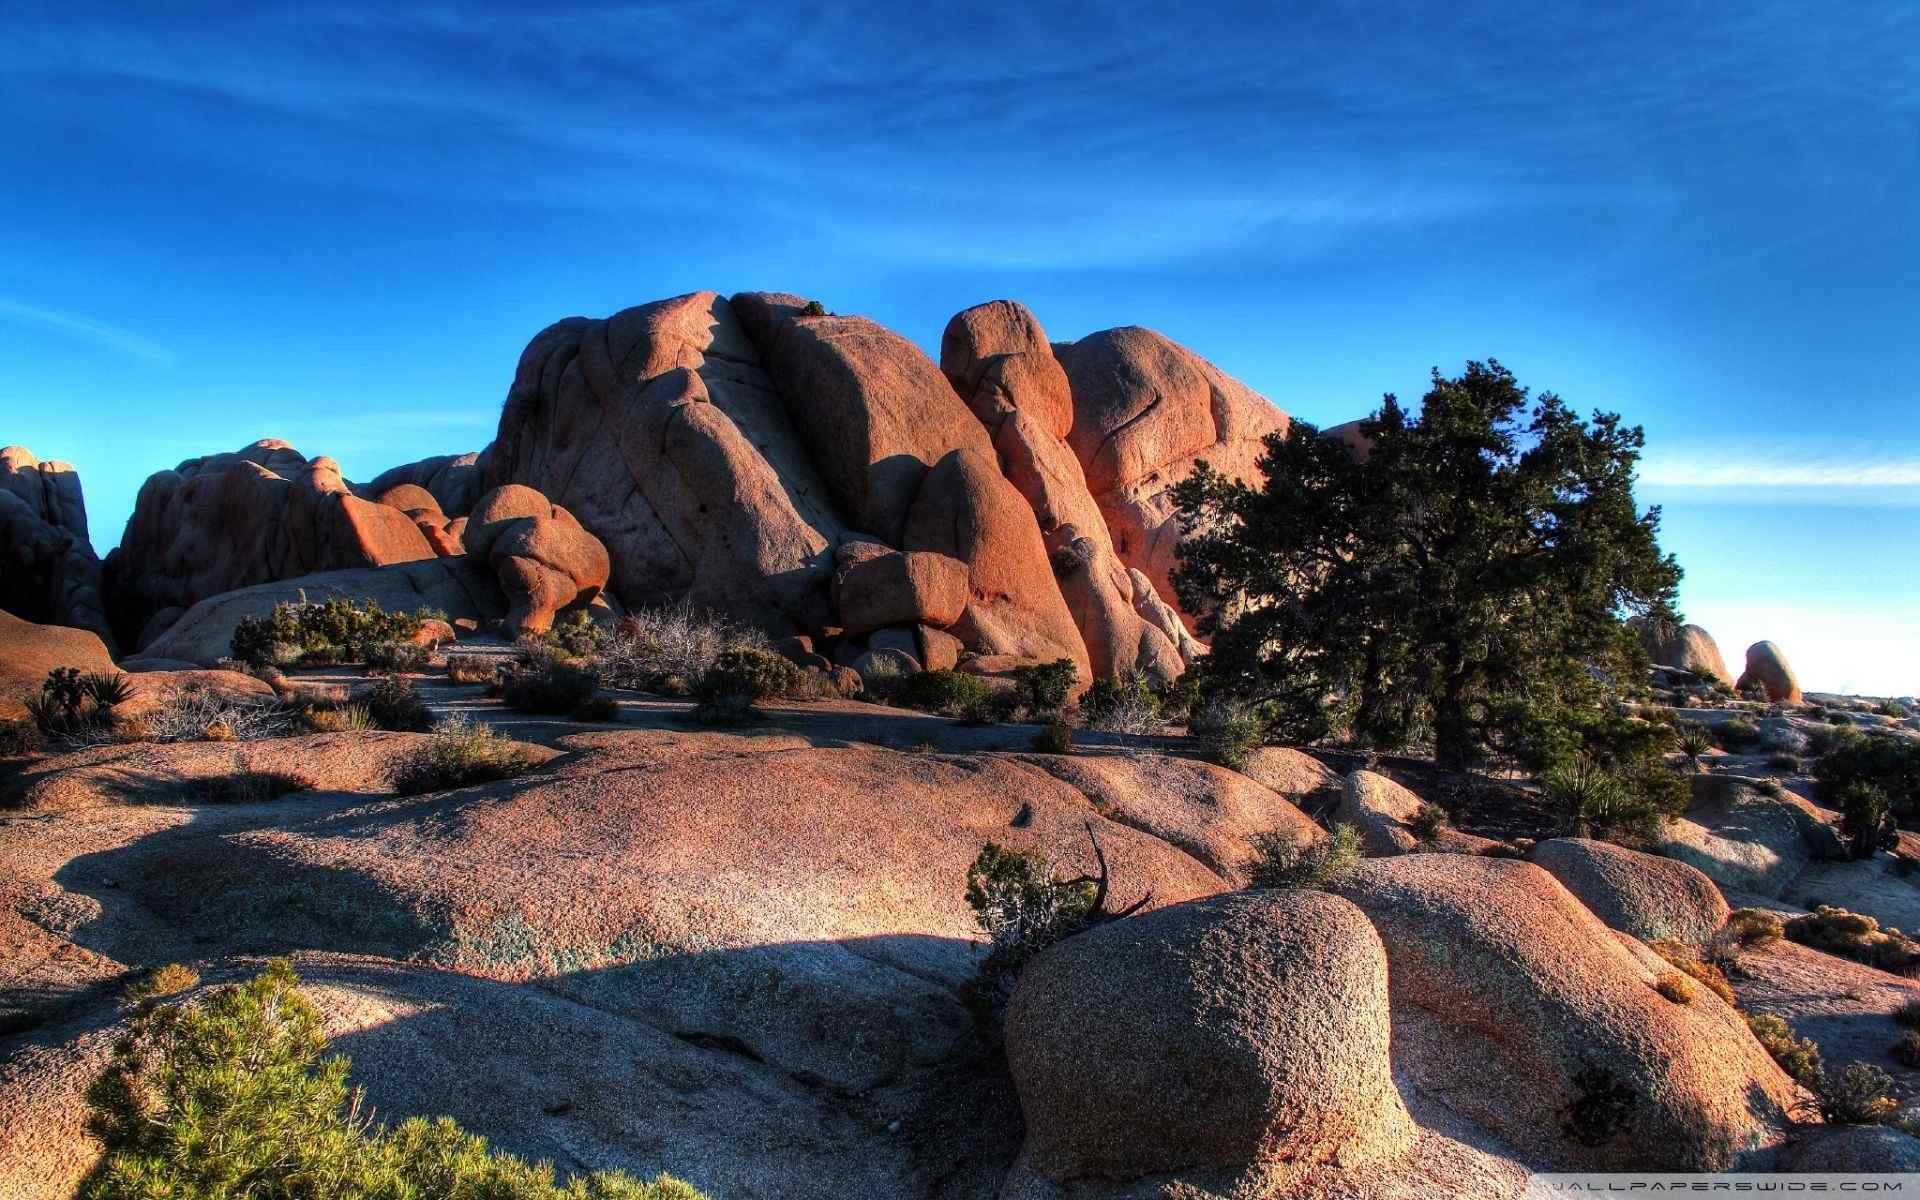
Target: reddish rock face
(1690, 648)
(1145, 410)
(1767, 666)
(48, 571)
(545, 562)
(228, 521)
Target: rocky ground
(738, 955)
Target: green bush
(1861, 1094)
(1626, 807)
(1799, 1057)
(1022, 907)
(745, 675)
(558, 689)
(1123, 703)
(77, 707)
(1755, 926)
(460, 754)
(1889, 763)
(397, 657)
(1043, 688)
(1056, 737)
(1866, 819)
(1428, 822)
(1856, 936)
(233, 1098)
(1694, 741)
(1227, 733)
(326, 633)
(948, 692)
(393, 704)
(1282, 859)
(1736, 734)
(1823, 740)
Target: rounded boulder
(1244, 1034)
(1642, 894)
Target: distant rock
(1219, 1047)
(999, 360)
(544, 561)
(1145, 410)
(1767, 667)
(1689, 648)
(48, 571)
(29, 651)
(229, 521)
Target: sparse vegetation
(1674, 987)
(1737, 734)
(327, 633)
(1684, 959)
(1693, 741)
(198, 713)
(1866, 819)
(19, 738)
(1428, 822)
(460, 753)
(77, 708)
(742, 677)
(1226, 732)
(1604, 1108)
(1042, 688)
(471, 668)
(1884, 761)
(1284, 859)
(1594, 801)
(398, 657)
(951, 693)
(247, 787)
(555, 689)
(1055, 737)
(1856, 936)
(1908, 1015)
(1858, 1094)
(338, 718)
(1799, 1057)
(234, 1097)
(1906, 1048)
(1125, 703)
(393, 704)
(669, 649)
(1754, 927)
(160, 982)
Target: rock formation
(1689, 648)
(228, 521)
(1767, 667)
(48, 571)
(1645, 895)
(29, 651)
(544, 561)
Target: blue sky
(340, 223)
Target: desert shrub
(1022, 907)
(1674, 987)
(1755, 926)
(578, 634)
(1683, 958)
(1889, 763)
(460, 753)
(200, 714)
(1226, 732)
(1694, 741)
(1043, 688)
(1124, 703)
(813, 308)
(160, 982)
(247, 787)
(1282, 859)
(1859, 1094)
(599, 710)
(393, 704)
(1772, 787)
(745, 675)
(668, 649)
(1906, 1048)
(1783, 762)
(949, 692)
(1866, 819)
(397, 657)
(1856, 936)
(234, 1097)
(1736, 734)
(1822, 741)
(1596, 802)
(558, 689)
(471, 668)
(1892, 708)
(1799, 1057)
(327, 633)
(77, 707)
(1055, 737)
(338, 718)
(1908, 1015)
(1428, 822)
(990, 708)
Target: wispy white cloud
(1828, 472)
(97, 332)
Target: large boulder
(998, 359)
(1645, 895)
(1145, 410)
(48, 571)
(461, 587)
(545, 562)
(905, 461)
(29, 651)
(229, 521)
(1689, 648)
(1221, 1046)
(1383, 811)
(660, 430)
(1516, 1004)
(876, 586)
(1741, 839)
(1767, 667)
(452, 480)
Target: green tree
(1481, 556)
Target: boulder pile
(48, 572)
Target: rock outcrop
(48, 571)
(1145, 410)
(1689, 648)
(998, 359)
(229, 521)
(1767, 667)
(1645, 895)
(1384, 813)
(544, 561)
(29, 651)
(1515, 1003)
(1220, 1047)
